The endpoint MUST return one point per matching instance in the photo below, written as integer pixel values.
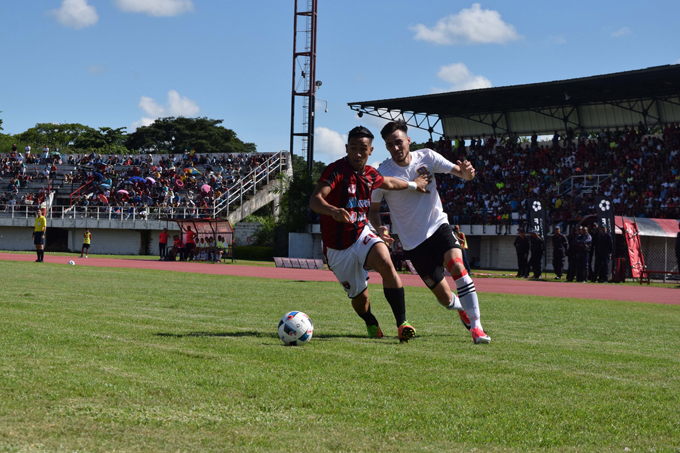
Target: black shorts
(86, 246)
(39, 238)
(428, 257)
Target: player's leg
(467, 293)
(349, 271)
(378, 259)
(362, 307)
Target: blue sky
(125, 62)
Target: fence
(104, 212)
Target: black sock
(37, 254)
(41, 254)
(368, 318)
(395, 297)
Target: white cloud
(677, 62)
(97, 70)
(75, 14)
(621, 32)
(158, 8)
(177, 106)
(558, 39)
(470, 26)
(461, 79)
(329, 143)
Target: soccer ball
(72, 263)
(295, 329)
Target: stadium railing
(122, 213)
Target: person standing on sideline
(87, 238)
(677, 249)
(537, 249)
(605, 247)
(583, 245)
(594, 250)
(423, 228)
(571, 256)
(189, 244)
(162, 244)
(560, 245)
(462, 240)
(39, 232)
(522, 247)
(343, 197)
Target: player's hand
(384, 235)
(467, 170)
(421, 182)
(340, 215)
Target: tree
(172, 135)
(56, 136)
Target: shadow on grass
(251, 333)
(219, 334)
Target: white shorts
(348, 264)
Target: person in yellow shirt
(39, 235)
(87, 238)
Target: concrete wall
(244, 232)
(16, 239)
(305, 245)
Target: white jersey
(415, 216)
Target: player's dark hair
(360, 132)
(393, 126)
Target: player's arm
(319, 204)
(376, 221)
(463, 170)
(417, 184)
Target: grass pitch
(101, 359)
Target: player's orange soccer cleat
(406, 332)
(479, 337)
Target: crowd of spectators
(644, 169)
(129, 185)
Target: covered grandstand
(614, 134)
(650, 95)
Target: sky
(124, 63)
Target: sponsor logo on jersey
(352, 203)
(364, 203)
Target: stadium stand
(640, 172)
(133, 186)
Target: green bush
(253, 253)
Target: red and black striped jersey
(351, 191)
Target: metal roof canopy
(649, 95)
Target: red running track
(543, 288)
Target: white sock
(468, 299)
(454, 304)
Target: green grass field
(101, 359)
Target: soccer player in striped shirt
(423, 226)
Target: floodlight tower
(304, 83)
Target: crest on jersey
(352, 189)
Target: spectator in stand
(560, 245)
(162, 243)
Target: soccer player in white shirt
(423, 227)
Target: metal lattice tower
(304, 77)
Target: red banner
(637, 262)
